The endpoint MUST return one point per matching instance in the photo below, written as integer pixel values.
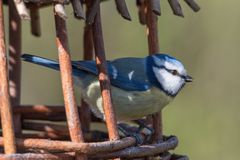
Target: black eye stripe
(171, 71)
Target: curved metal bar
(49, 156)
(86, 148)
(141, 151)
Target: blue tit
(140, 86)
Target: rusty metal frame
(153, 47)
(103, 76)
(14, 49)
(78, 133)
(73, 120)
(6, 110)
(88, 52)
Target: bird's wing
(125, 73)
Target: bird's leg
(132, 132)
(144, 129)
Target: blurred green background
(205, 115)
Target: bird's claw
(139, 138)
(141, 134)
(144, 129)
(147, 132)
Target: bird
(139, 86)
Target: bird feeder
(76, 140)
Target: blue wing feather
(126, 73)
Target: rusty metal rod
(193, 5)
(32, 156)
(38, 109)
(92, 11)
(46, 135)
(22, 9)
(152, 27)
(153, 46)
(176, 7)
(88, 46)
(6, 110)
(88, 52)
(14, 49)
(141, 151)
(85, 148)
(78, 9)
(60, 11)
(44, 3)
(103, 77)
(47, 1)
(141, 11)
(64, 156)
(58, 129)
(93, 136)
(67, 82)
(122, 9)
(35, 21)
(156, 7)
(73, 121)
(44, 116)
(42, 112)
(54, 116)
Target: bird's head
(167, 73)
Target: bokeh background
(205, 115)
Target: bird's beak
(188, 78)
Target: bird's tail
(41, 61)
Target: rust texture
(103, 77)
(42, 112)
(86, 148)
(57, 131)
(88, 52)
(153, 46)
(38, 109)
(73, 121)
(6, 110)
(35, 21)
(92, 11)
(88, 47)
(70, 156)
(14, 49)
(31, 156)
(142, 151)
(141, 11)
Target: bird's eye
(174, 72)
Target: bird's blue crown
(166, 72)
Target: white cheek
(168, 81)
